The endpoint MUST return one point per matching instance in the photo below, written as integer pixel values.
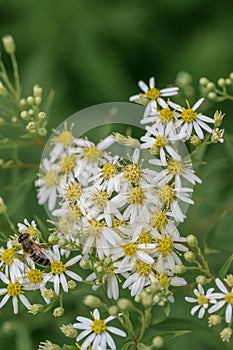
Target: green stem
(12, 227)
(16, 76)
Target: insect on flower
(34, 250)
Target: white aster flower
(61, 142)
(97, 332)
(99, 236)
(151, 95)
(29, 228)
(167, 249)
(49, 183)
(8, 260)
(191, 119)
(141, 275)
(15, 290)
(227, 299)
(202, 299)
(162, 138)
(59, 271)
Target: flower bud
(214, 320)
(180, 269)
(30, 100)
(92, 301)
(9, 44)
(231, 75)
(108, 261)
(146, 300)
(31, 127)
(24, 115)
(71, 284)
(158, 342)
(226, 334)
(41, 115)
(190, 256)
(38, 100)
(228, 81)
(212, 95)
(137, 298)
(200, 279)
(221, 82)
(99, 269)
(3, 207)
(218, 118)
(113, 310)
(203, 81)
(42, 132)
(14, 120)
(53, 239)
(84, 264)
(192, 241)
(47, 345)
(195, 140)
(69, 330)
(59, 311)
(37, 90)
(217, 135)
(23, 103)
(124, 304)
(49, 294)
(36, 308)
(229, 280)
(210, 85)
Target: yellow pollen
(202, 299)
(160, 141)
(75, 212)
(34, 276)
(32, 231)
(136, 195)
(175, 167)
(8, 256)
(229, 298)
(14, 289)
(52, 179)
(117, 223)
(98, 326)
(166, 194)
(188, 115)
(144, 238)
(100, 199)
(92, 154)
(143, 268)
(73, 192)
(57, 267)
(132, 173)
(163, 280)
(109, 170)
(129, 249)
(68, 164)
(152, 94)
(159, 220)
(165, 245)
(166, 115)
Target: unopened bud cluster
(31, 113)
(218, 91)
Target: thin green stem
(10, 223)
(16, 76)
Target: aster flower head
(225, 297)
(203, 299)
(15, 290)
(97, 332)
(150, 95)
(190, 119)
(60, 270)
(9, 260)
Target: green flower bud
(210, 85)
(158, 342)
(228, 81)
(107, 261)
(9, 44)
(124, 304)
(92, 301)
(49, 294)
(231, 75)
(180, 269)
(69, 330)
(71, 284)
(146, 300)
(37, 90)
(59, 311)
(203, 81)
(200, 279)
(212, 95)
(221, 82)
(36, 308)
(84, 264)
(192, 241)
(30, 100)
(113, 310)
(38, 100)
(25, 115)
(190, 256)
(41, 116)
(31, 127)
(23, 103)
(47, 345)
(226, 334)
(214, 320)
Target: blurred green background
(93, 52)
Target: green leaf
(23, 338)
(127, 345)
(222, 272)
(127, 322)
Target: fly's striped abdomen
(40, 259)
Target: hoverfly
(33, 250)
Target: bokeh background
(92, 52)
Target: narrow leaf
(222, 272)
